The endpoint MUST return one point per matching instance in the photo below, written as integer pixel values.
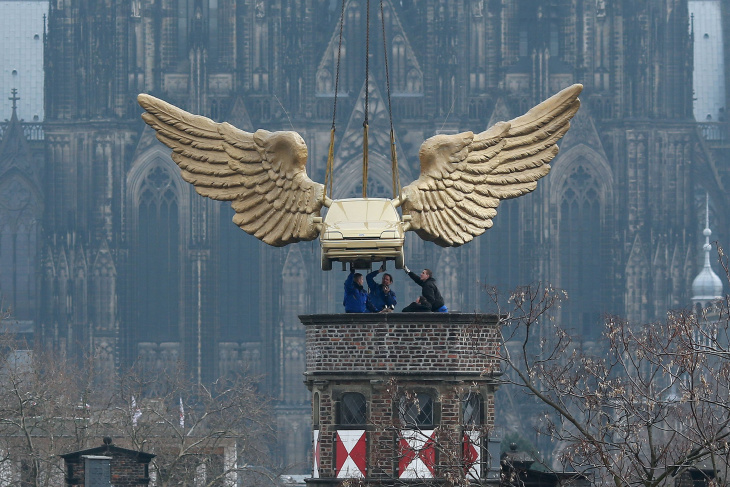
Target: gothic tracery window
(157, 275)
(582, 259)
(19, 211)
(238, 294)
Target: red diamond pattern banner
(351, 453)
(315, 454)
(417, 454)
(472, 455)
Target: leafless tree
(648, 403)
(201, 435)
(44, 411)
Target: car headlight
(333, 235)
(389, 234)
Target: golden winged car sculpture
(463, 179)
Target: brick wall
(385, 356)
(128, 468)
(401, 343)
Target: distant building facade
(103, 246)
(107, 465)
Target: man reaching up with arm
(382, 298)
(428, 287)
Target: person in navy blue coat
(356, 298)
(381, 296)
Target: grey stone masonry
(454, 344)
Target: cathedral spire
(707, 286)
(14, 98)
(14, 150)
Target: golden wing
(465, 176)
(262, 174)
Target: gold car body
(362, 230)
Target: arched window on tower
(414, 82)
(19, 218)
(471, 409)
(582, 252)
(238, 295)
(399, 63)
(325, 85)
(157, 270)
(417, 410)
(352, 410)
(554, 39)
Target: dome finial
(707, 286)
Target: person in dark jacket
(420, 305)
(382, 298)
(428, 287)
(356, 298)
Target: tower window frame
(472, 409)
(418, 410)
(352, 410)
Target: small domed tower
(707, 286)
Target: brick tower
(403, 396)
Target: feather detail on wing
(262, 174)
(465, 176)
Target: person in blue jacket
(382, 298)
(356, 298)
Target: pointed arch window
(399, 63)
(19, 214)
(582, 251)
(238, 294)
(325, 86)
(157, 274)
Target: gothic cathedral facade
(103, 245)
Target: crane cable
(393, 153)
(367, 95)
(329, 173)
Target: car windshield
(359, 210)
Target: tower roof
(707, 286)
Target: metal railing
(714, 131)
(32, 131)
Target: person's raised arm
(416, 278)
(349, 286)
(370, 278)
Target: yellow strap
(328, 175)
(394, 161)
(365, 161)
